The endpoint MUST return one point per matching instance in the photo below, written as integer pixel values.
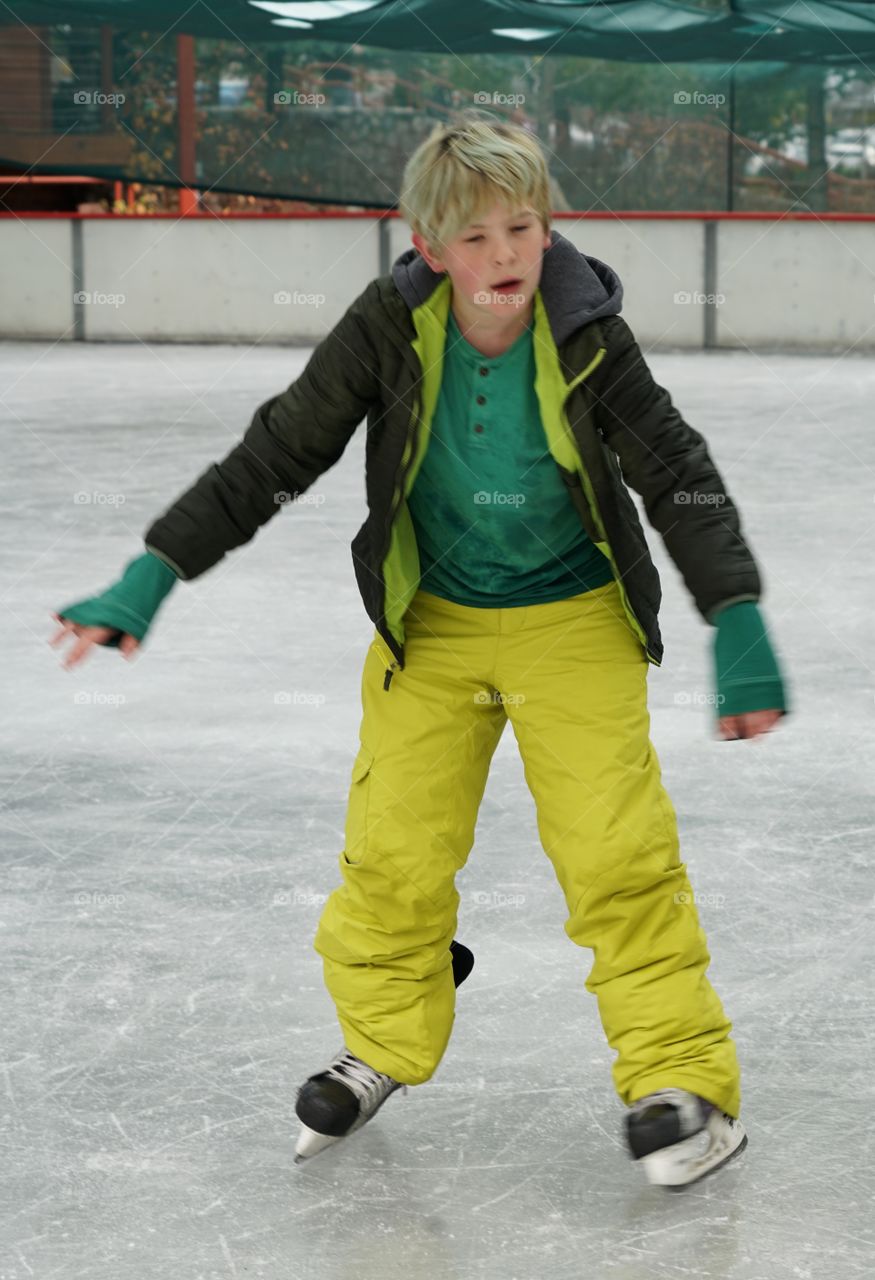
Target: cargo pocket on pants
(357, 809)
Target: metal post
(817, 177)
(383, 232)
(730, 158)
(273, 80)
(78, 272)
(709, 336)
(107, 109)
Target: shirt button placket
(481, 399)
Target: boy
(506, 572)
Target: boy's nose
(504, 262)
(503, 251)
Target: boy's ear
(422, 247)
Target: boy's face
(504, 244)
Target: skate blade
(678, 1166)
(310, 1143)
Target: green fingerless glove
(747, 673)
(131, 603)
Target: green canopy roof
(817, 31)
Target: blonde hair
(461, 169)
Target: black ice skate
(341, 1099)
(337, 1101)
(463, 962)
(679, 1137)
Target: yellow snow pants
(571, 676)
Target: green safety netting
(639, 104)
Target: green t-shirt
(494, 522)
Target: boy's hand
(750, 689)
(120, 616)
(88, 636)
(748, 725)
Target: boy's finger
(64, 630)
(78, 652)
(128, 645)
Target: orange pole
(185, 75)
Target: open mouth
(506, 284)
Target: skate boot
(335, 1102)
(679, 1137)
(463, 962)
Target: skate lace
(366, 1083)
(690, 1105)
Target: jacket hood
(575, 287)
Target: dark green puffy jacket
(607, 424)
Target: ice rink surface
(172, 826)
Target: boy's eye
(474, 238)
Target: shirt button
(481, 399)
(478, 427)
(483, 371)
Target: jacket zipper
(589, 492)
(406, 463)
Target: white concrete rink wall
(36, 273)
(276, 280)
(797, 283)
(690, 283)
